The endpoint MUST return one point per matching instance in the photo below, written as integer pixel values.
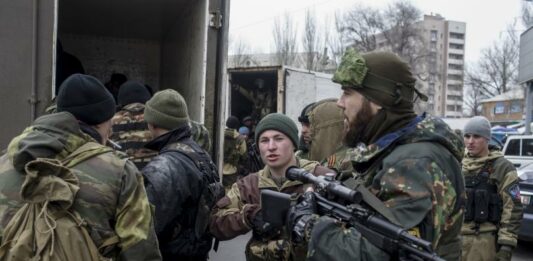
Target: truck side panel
(26, 67)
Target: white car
(519, 149)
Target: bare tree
(310, 40)
(527, 14)
(285, 33)
(336, 41)
(240, 53)
(360, 26)
(496, 70)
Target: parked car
(519, 149)
(525, 173)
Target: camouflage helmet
(382, 77)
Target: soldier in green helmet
(410, 162)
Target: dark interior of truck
(253, 92)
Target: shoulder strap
(84, 152)
(373, 201)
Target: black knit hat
(132, 92)
(86, 98)
(232, 122)
(281, 123)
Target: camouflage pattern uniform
(235, 157)
(200, 135)
(340, 162)
(131, 132)
(233, 214)
(415, 171)
(112, 199)
(481, 241)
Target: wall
(183, 62)
(488, 110)
(101, 56)
(26, 51)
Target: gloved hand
(505, 253)
(262, 228)
(300, 215)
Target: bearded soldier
(410, 162)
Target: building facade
(506, 107)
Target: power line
(278, 15)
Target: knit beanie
(86, 98)
(478, 125)
(281, 123)
(244, 130)
(167, 110)
(132, 92)
(382, 77)
(233, 122)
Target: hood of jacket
(53, 136)
(424, 128)
(326, 126)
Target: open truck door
(177, 44)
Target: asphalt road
(233, 250)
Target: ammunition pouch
(483, 203)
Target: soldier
(177, 179)
(111, 199)
(493, 209)
(240, 211)
(305, 134)
(235, 153)
(130, 131)
(260, 97)
(200, 135)
(411, 163)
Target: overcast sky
(252, 20)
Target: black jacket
(174, 184)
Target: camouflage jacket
(416, 172)
(131, 133)
(326, 128)
(174, 185)
(112, 199)
(503, 175)
(234, 212)
(200, 135)
(340, 162)
(235, 153)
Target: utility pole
(529, 91)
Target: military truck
(178, 44)
(259, 90)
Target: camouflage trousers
(480, 247)
(228, 180)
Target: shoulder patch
(514, 191)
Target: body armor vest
(483, 201)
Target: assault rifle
(387, 236)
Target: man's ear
(374, 107)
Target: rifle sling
(372, 201)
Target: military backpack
(47, 227)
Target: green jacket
(112, 199)
(503, 175)
(416, 173)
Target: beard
(354, 131)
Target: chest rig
(483, 203)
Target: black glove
(300, 216)
(505, 253)
(263, 229)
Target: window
(450, 108)
(499, 108)
(455, 66)
(457, 36)
(516, 106)
(456, 77)
(433, 35)
(527, 147)
(513, 148)
(456, 46)
(455, 56)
